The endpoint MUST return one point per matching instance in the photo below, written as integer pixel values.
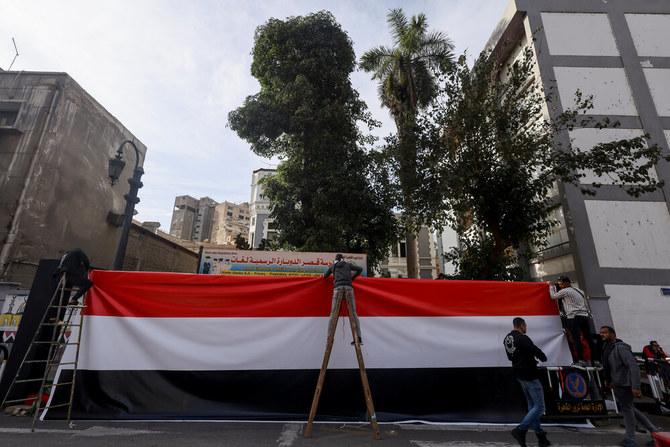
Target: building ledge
(9, 130)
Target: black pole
(131, 200)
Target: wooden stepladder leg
(324, 366)
(361, 367)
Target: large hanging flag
(182, 346)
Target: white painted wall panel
(609, 87)
(579, 34)
(585, 139)
(667, 136)
(630, 234)
(651, 34)
(659, 84)
(640, 314)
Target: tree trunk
(412, 251)
(405, 120)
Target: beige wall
(55, 192)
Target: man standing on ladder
(75, 265)
(578, 318)
(341, 271)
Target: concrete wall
(54, 188)
(149, 252)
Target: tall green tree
(407, 82)
(307, 113)
(492, 158)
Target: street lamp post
(116, 166)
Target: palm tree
(407, 82)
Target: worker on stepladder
(341, 271)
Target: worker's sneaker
(360, 342)
(542, 440)
(579, 364)
(520, 436)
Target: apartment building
(192, 218)
(230, 220)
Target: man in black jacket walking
(341, 271)
(522, 352)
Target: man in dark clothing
(341, 271)
(623, 374)
(75, 265)
(522, 352)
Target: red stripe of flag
(149, 294)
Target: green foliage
(241, 242)
(489, 160)
(407, 75)
(406, 72)
(263, 245)
(323, 196)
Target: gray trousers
(352, 311)
(625, 401)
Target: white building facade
(260, 226)
(395, 266)
(614, 246)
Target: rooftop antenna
(17, 55)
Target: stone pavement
(15, 432)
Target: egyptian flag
(183, 346)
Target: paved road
(15, 432)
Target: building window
(557, 241)
(229, 213)
(8, 118)
(8, 113)
(403, 252)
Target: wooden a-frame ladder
(361, 365)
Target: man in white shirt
(577, 313)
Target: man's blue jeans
(532, 389)
(334, 317)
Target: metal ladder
(57, 342)
(361, 366)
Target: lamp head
(116, 166)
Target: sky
(171, 71)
